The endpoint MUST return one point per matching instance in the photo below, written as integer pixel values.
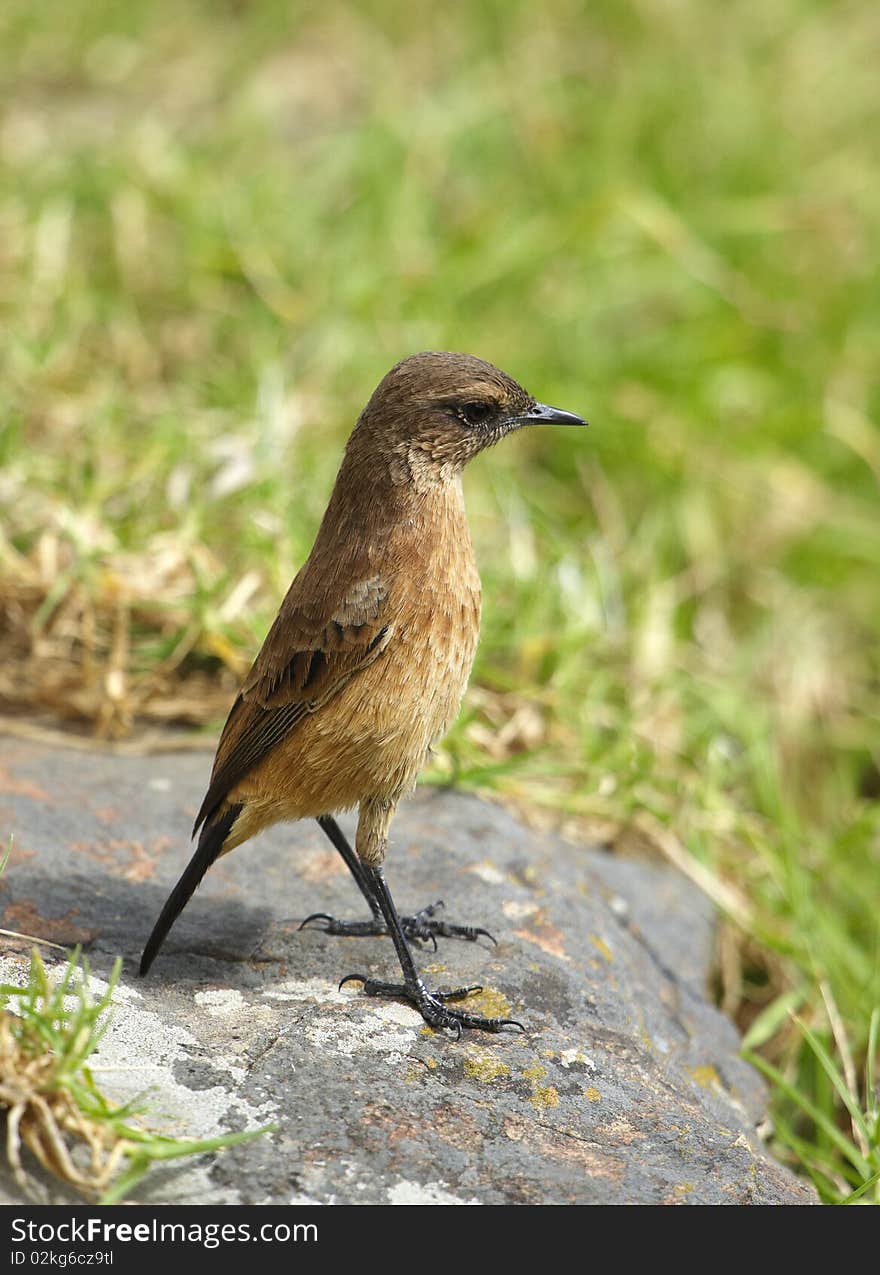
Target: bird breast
(408, 698)
(371, 739)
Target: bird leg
(421, 925)
(433, 1006)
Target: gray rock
(625, 1088)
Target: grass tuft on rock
(52, 1105)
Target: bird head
(435, 411)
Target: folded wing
(309, 654)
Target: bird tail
(214, 834)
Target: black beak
(541, 414)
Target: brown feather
(302, 664)
(367, 661)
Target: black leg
(421, 925)
(331, 829)
(431, 1005)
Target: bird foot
(433, 1005)
(421, 925)
(351, 929)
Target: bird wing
(310, 653)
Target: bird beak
(541, 414)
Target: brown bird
(367, 661)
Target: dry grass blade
(30, 938)
(74, 632)
(838, 1030)
(722, 893)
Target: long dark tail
(214, 833)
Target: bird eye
(475, 413)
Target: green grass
(49, 1028)
(221, 223)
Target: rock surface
(625, 1088)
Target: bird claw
(419, 933)
(420, 926)
(470, 933)
(432, 1005)
(428, 911)
(350, 929)
(317, 916)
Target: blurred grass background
(220, 224)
